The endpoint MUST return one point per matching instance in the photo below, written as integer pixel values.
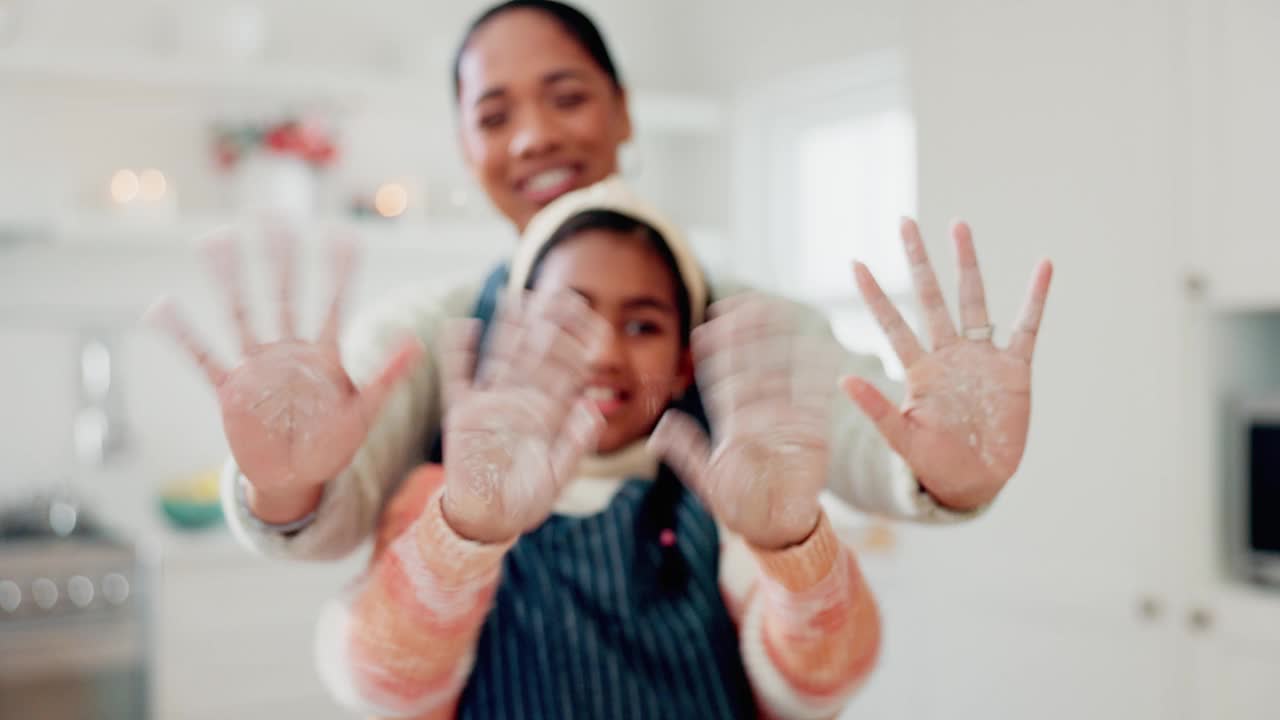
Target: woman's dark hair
(571, 19)
(664, 499)
(625, 224)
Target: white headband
(609, 194)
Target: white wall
(60, 146)
(55, 155)
(741, 44)
(1050, 127)
(1057, 129)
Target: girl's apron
(598, 617)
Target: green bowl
(191, 515)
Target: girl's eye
(642, 327)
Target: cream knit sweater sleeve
(865, 472)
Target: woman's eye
(491, 121)
(570, 100)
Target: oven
(74, 634)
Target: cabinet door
(1232, 147)
(1027, 659)
(236, 637)
(1236, 678)
(960, 652)
(1231, 648)
(1010, 138)
(1051, 152)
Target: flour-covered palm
(768, 394)
(513, 435)
(963, 425)
(292, 415)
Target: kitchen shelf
(659, 112)
(154, 75)
(92, 271)
(104, 233)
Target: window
(827, 168)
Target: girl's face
(537, 116)
(643, 364)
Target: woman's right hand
(292, 416)
(514, 434)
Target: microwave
(1254, 497)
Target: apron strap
(485, 309)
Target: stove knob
(80, 590)
(10, 595)
(115, 588)
(45, 593)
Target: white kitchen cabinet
(1029, 660)
(1040, 606)
(1073, 596)
(1057, 602)
(1232, 150)
(235, 636)
(1230, 631)
(1236, 678)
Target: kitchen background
(1123, 574)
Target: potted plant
(275, 165)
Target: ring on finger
(981, 333)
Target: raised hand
(292, 416)
(963, 425)
(768, 396)
(514, 434)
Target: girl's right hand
(292, 416)
(514, 434)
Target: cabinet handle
(1196, 285)
(1150, 608)
(1200, 620)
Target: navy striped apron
(595, 618)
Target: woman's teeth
(549, 179)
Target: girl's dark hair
(665, 497)
(617, 222)
(571, 19)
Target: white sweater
(865, 472)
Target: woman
(319, 439)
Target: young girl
(523, 579)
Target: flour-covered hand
(514, 433)
(963, 426)
(292, 415)
(768, 393)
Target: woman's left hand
(768, 394)
(963, 425)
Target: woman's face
(538, 117)
(643, 364)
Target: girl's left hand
(514, 433)
(768, 394)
